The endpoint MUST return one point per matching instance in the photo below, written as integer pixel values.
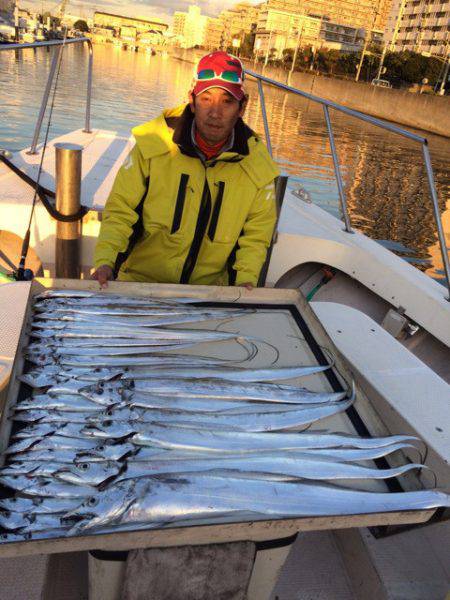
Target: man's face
(216, 112)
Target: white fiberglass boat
(390, 321)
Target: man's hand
(103, 274)
(248, 286)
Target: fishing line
(26, 241)
(254, 339)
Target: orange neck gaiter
(206, 149)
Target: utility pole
(441, 90)
(16, 22)
(294, 58)
(363, 53)
(266, 59)
(366, 41)
(380, 66)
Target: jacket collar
(182, 136)
(158, 137)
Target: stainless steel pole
(87, 125)
(68, 191)
(337, 171)
(44, 102)
(264, 114)
(437, 215)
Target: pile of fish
(122, 431)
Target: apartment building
(370, 15)
(279, 29)
(7, 6)
(237, 21)
(420, 26)
(189, 27)
(213, 34)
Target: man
(195, 200)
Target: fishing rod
(23, 274)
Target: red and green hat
(219, 69)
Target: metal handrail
(60, 43)
(327, 104)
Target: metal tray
(285, 320)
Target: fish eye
(100, 391)
(84, 466)
(107, 423)
(101, 448)
(92, 501)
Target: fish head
(88, 473)
(12, 521)
(102, 394)
(39, 378)
(106, 451)
(118, 414)
(15, 482)
(19, 468)
(17, 504)
(108, 429)
(22, 445)
(103, 508)
(29, 416)
(42, 357)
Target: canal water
(385, 180)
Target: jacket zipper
(181, 197)
(200, 229)
(216, 211)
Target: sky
(136, 8)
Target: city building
(213, 34)
(278, 30)
(151, 38)
(335, 36)
(368, 15)
(103, 20)
(7, 30)
(420, 26)
(7, 8)
(189, 27)
(237, 21)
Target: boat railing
(53, 68)
(327, 105)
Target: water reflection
(385, 178)
(384, 175)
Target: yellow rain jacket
(173, 218)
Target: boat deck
(103, 154)
(320, 566)
(346, 564)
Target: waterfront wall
(420, 111)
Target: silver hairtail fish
(161, 501)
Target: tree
(327, 60)
(248, 41)
(410, 67)
(347, 64)
(81, 25)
